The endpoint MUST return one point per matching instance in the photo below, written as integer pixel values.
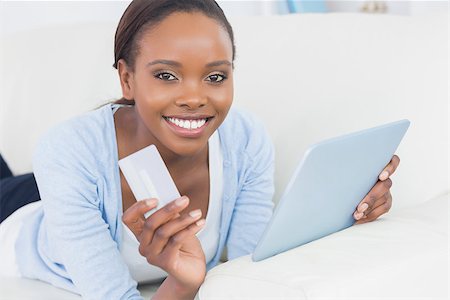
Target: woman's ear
(126, 79)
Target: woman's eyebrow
(177, 64)
(218, 63)
(165, 62)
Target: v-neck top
(140, 269)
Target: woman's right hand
(167, 240)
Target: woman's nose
(192, 97)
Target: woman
(175, 63)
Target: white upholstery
(309, 77)
(401, 256)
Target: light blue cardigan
(73, 241)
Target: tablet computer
(327, 185)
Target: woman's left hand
(379, 200)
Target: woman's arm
(254, 206)
(170, 289)
(78, 237)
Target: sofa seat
(403, 255)
(26, 289)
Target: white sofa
(308, 77)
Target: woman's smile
(188, 126)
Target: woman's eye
(165, 76)
(216, 78)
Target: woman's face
(183, 81)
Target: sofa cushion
(402, 255)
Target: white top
(9, 231)
(140, 269)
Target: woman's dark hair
(141, 15)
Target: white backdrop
(23, 15)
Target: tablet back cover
(328, 184)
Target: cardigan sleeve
(78, 236)
(253, 207)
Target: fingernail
(358, 216)
(364, 207)
(181, 201)
(151, 202)
(384, 175)
(200, 222)
(195, 213)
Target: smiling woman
(88, 234)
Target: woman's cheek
(224, 94)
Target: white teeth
(187, 124)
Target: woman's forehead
(185, 34)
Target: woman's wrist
(188, 291)
(171, 288)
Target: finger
(166, 231)
(378, 202)
(160, 217)
(134, 218)
(381, 207)
(390, 168)
(176, 241)
(378, 190)
(364, 209)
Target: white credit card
(148, 177)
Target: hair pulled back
(141, 15)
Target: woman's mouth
(188, 127)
